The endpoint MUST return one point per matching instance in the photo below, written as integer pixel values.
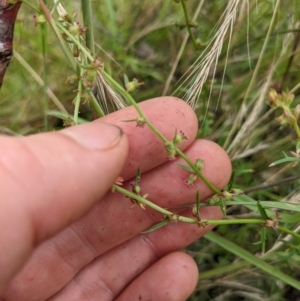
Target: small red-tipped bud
(271, 224)
(179, 137)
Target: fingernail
(95, 135)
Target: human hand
(63, 237)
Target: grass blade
(259, 263)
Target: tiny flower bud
(179, 137)
(171, 151)
(271, 224)
(41, 19)
(195, 210)
(236, 191)
(273, 98)
(131, 86)
(75, 30)
(226, 195)
(191, 179)
(68, 18)
(136, 189)
(287, 98)
(140, 122)
(173, 217)
(75, 51)
(199, 164)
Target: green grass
(140, 39)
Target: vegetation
(238, 67)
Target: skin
(65, 236)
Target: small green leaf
(138, 176)
(230, 183)
(285, 160)
(198, 205)
(262, 211)
(298, 146)
(186, 168)
(126, 80)
(156, 226)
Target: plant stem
(186, 15)
(78, 96)
(285, 230)
(87, 16)
(183, 218)
(54, 26)
(43, 35)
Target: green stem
(141, 200)
(78, 96)
(296, 127)
(217, 272)
(87, 16)
(43, 34)
(181, 218)
(95, 104)
(54, 26)
(186, 15)
(285, 230)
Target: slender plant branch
(78, 96)
(187, 21)
(267, 185)
(54, 26)
(88, 22)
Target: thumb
(49, 180)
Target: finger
(114, 270)
(115, 220)
(48, 181)
(174, 277)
